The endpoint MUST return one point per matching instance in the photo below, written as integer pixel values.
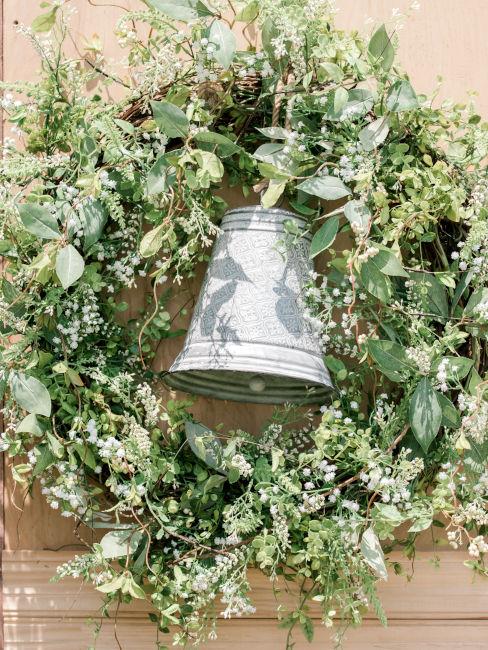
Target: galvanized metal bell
(248, 340)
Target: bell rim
(176, 380)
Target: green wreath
(100, 194)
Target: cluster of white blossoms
(393, 485)
(150, 403)
(240, 463)
(421, 358)
(81, 318)
(474, 423)
(311, 502)
(477, 546)
(354, 161)
(441, 376)
(65, 492)
(137, 441)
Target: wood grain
(441, 603)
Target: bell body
(248, 340)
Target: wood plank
(243, 634)
(435, 593)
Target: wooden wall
(440, 608)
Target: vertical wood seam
(2, 455)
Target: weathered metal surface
(248, 340)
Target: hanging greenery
(99, 196)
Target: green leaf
(224, 40)
(275, 132)
(450, 415)
(120, 543)
(434, 296)
(425, 413)
(30, 424)
(112, 585)
(94, 216)
(226, 146)
(30, 394)
(401, 97)
(274, 191)
(358, 215)
(170, 119)
(153, 240)
(38, 220)
(360, 101)
(329, 188)
(249, 12)
(325, 236)
(388, 263)
(213, 481)
(373, 553)
(374, 280)
(69, 266)
(160, 177)
(210, 163)
(391, 359)
(184, 10)
(205, 444)
(341, 97)
(456, 367)
(45, 22)
(374, 134)
(55, 445)
(306, 624)
(477, 297)
(45, 458)
(381, 49)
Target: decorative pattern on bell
(248, 340)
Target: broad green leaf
(30, 424)
(205, 444)
(328, 71)
(374, 134)
(450, 415)
(225, 42)
(69, 266)
(381, 49)
(214, 481)
(225, 146)
(275, 132)
(329, 188)
(432, 292)
(184, 10)
(112, 585)
(45, 458)
(373, 553)
(120, 543)
(358, 215)
(374, 280)
(55, 445)
(391, 359)
(170, 119)
(359, 102)
(401, 97)
(30, 394)
(249, 12)
(45, 22)
(340, 99)
(456, 367)
(38, 220)
(94, 216)
(388, 263)
(425, 413)
(421, 523)
(210, 163)
(160, 177)
(325, 236)
(477, 297)
(274, 191)
(152, 241)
